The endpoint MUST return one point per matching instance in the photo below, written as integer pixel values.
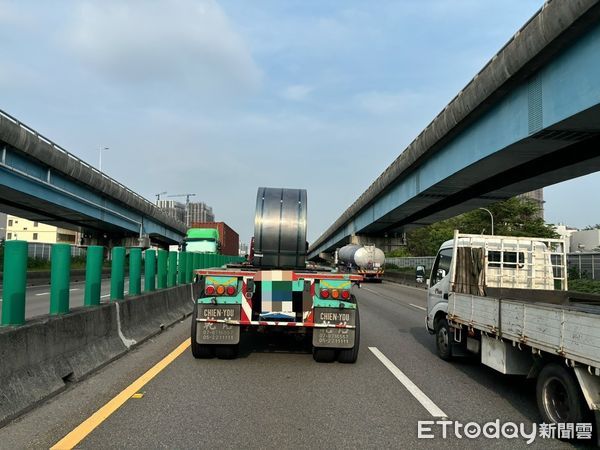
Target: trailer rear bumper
(269, 323)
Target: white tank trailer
(366, 260)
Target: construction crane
(187, 202)
(158, 196)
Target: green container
(60, 278)
(93, 275)
(135, 271)
(117, 274)
(15, 283)
(149, 270)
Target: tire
(227, 351)
(324, 355)
(198, 350)
(350, 355)
(442, 340)
(558, 395)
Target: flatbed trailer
(232, 301)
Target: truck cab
(508, 262)
(201, 240)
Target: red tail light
(209, 290)
(324, 293)
(345, 295)
(230, 290)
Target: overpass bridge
(530, 118)
(41, 181)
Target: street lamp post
(491, 217)
(100, 148)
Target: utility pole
(491, 216)
(100, 149)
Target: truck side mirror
(441, 273)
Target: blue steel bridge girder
(33, 190)
(542, 130)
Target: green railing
(161, 270)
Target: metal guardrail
(72, 156)
(412, 261)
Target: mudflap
(218, 333)
(334, 337)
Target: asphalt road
(275, 395)
(37, 298)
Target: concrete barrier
(40, 358)
(405, 278)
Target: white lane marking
(417, 306)
(42, 293)
(409, 385)
(75, 289)
(105, 295)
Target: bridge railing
(72, 156)
(162, 269)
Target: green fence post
(60, 278)
(181, 269)
(161, 281)
(93, 275)
(15, 283)
(117, 274)
(188, 267)
(172, 269)
(149, 270)
(135, 271)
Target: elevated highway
(41, 181)
(530, 118)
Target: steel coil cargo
(362, 256)
(280, 228)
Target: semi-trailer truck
(276, 291)
(506, 300)
(366, 260)
(201, 240)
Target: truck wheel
(442, 340)
(198, 350)
(325, 355)
(227, 351)
(558, 395)
(350, 355)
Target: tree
(512, 217)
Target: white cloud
(297, 92)
(183, 43)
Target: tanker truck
(275, 291)
(366, 260)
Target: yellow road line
(92, 422)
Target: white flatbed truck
(506, 299)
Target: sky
(218, 98)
